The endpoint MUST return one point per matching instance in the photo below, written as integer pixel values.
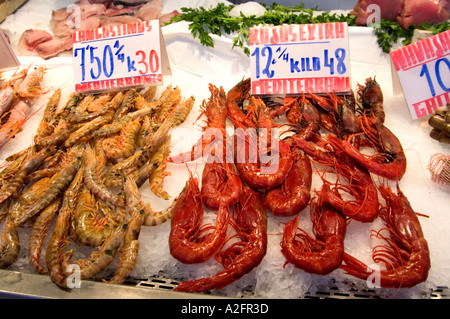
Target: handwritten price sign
(423, 71)
(119, 56)
(303, 58)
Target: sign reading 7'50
(118, 56)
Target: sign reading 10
(435, 75)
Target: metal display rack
(14, 284)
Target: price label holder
(421, 71)
(8, 59)
(120, 56)
(300, 58)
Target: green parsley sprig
(217, 20)
(389, 32)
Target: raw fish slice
(150, 11)
(31, 38)
(416, 12)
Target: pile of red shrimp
(266, 167)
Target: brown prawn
(90, 228)
(60, 234)
(130, 247)
(39, 233)
(10, 243)
(31, 163)
(124, 145)
(93, 180)
(57, 184)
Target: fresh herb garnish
(389, 32)
(217, 20)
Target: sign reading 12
(267, 58)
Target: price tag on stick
(119, 56)
(422, 71)
(300, 58)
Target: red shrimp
(221, 185)
(216, 114)
(322, 156)
(215, 110)
(325, 103)
(187, 240)
(250, 222)
(263, 175)
(348, 121)
(329, 111)
(406, 254)
(294, 114)
(235, 97)
(306, 118)
(293, 195)
(283, 107)
(371, 97)
(390, 162)
(322, 254)
(365, 206)
(252, 169)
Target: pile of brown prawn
(82, 174)
(343, 136)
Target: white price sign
(423, 72)
(300, 58)
(119, 56)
